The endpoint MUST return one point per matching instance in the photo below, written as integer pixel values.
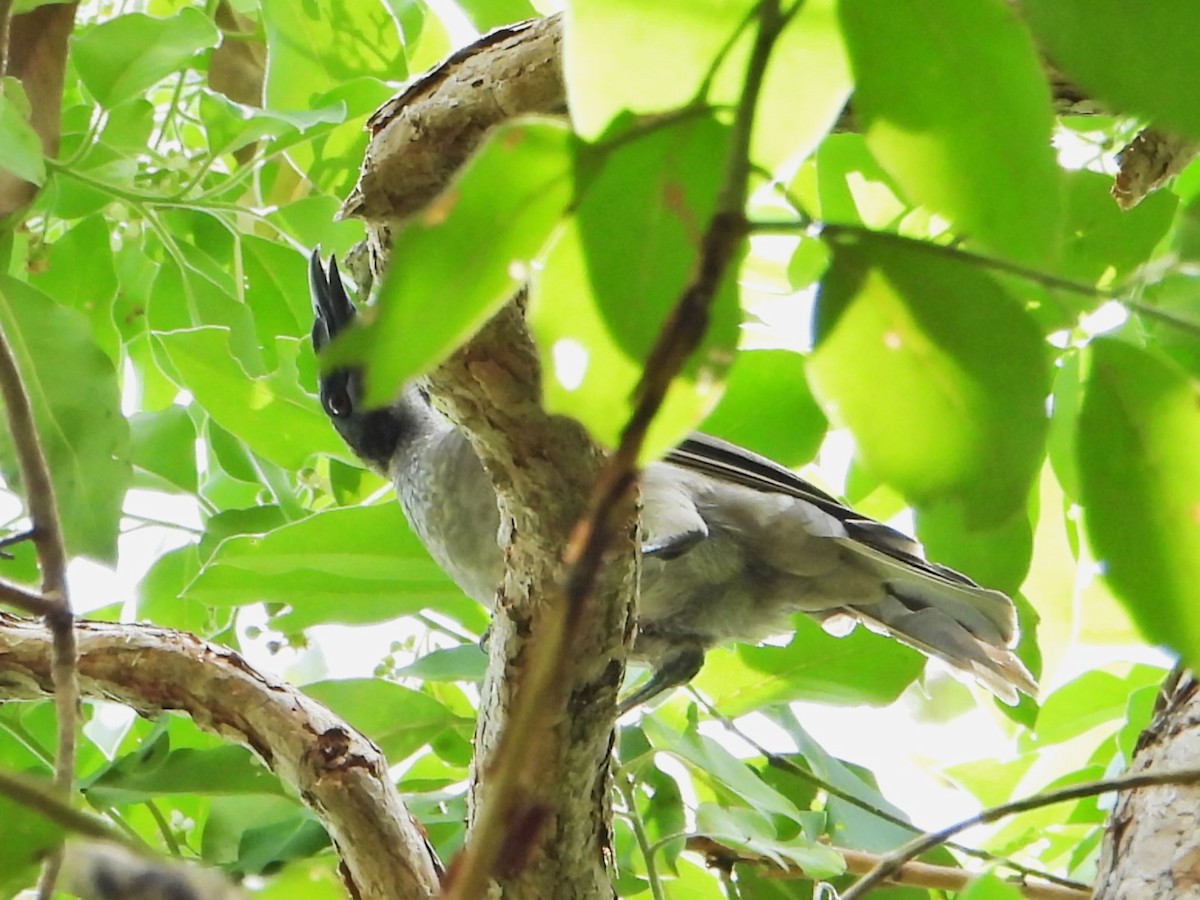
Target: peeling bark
(1152, 842)
(339, 774)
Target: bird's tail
(950, 618)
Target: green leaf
(1137, 58)
(712, 761)
(861, 667)
(79, 273)
(316, 46)
(853, 825)
(121, 58)
(768, 408)
(355, 565)
(465, 663)
(250, 834)
(488, 14)
(155, 770)
(988, 887)
(954, 104)
(940, 375)
(398, 719)
(997, 556)
(503, 208)
(643, 58)
(752, 831)
(271, 414)
(28, 837)
(20, 147)
(1140, 488)
(1104, 243)
(647, 59)
(72, 388)
(164, 443)
(1091, 700)
(158, 594)
(635, 234)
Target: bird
(734, 543)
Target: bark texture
(339, 774)
(1152, 844)
(553, 840)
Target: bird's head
(373, 434)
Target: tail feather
(967, 626)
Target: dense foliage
(1014, 357)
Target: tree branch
(859, 862)
(55, 605)
(891, 863)
(339, 774)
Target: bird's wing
(728, 462)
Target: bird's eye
(338, 404)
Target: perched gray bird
(734, 542)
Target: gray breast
(449, 501)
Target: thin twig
(890, 864)
(629, 794)
(26, 600)
(43, 799)
(52, 559)
(787, 765)
(858, 862)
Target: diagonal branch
(892, 862)
(339, 774)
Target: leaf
(79, 273)
(1093, 699)
(355, 565)
(1104, 243)
(1140, 488)
(1135, 57)
(72, 388)
(488, 14)
(653, 58)
(853, 825)
(954, 104)
(768, 408)
(502, 208)
(316, 46)
(164, 443)
(28, 837)
(465, 663)
(988, 887)
(940, 375)
(121, 58)
(642, 58)
(20, 147)
(753, 832)
(271, 414)
(712, 761)
(152, 771)
(398, 719)
(861, 667)
(635, 236)
(997, 557)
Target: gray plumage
(734, 543)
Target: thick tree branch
(539, 797)
(336, 771)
